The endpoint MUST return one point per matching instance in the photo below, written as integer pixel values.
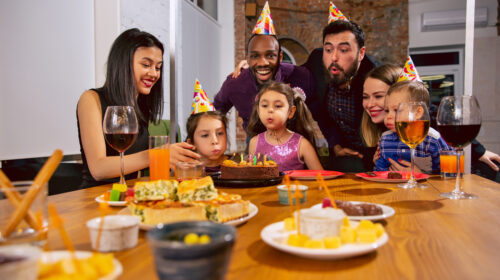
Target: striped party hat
(335, 14)
(200, 100)
(409, 72)
(265, 24)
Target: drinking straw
(286, 181)
(297, 195)
(57, 222)
(322, 183)
(15, 198)
(103, 210)
(41, 179)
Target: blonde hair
(371, 132)
(415, 89)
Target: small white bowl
(283, 193)
(119, 232)
(25, 268)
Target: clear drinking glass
(459, 122)
(412, 126)
(120, 130)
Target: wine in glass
(412, 126)
(120, 130)
(458, 121)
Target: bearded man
(339, 69)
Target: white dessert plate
(100, 199)
(253, 211)
(387, 212)
(275, 236)
(54, 256)
(381, 176)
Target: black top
(140, 144)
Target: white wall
(47, 55)
(486, 86)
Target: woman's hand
(237, 71)
(183, 152)
(402, 165)
(488, 158)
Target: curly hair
(301, 122)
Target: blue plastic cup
(176, 260)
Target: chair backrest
(163, 128)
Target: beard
(345, 75)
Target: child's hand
(376, 156)
(344, 152)
(402, 165)
(182, 152)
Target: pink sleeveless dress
(285, 155)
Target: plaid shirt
(341, 108)
(426, 153)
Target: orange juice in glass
(159, 158)
(448, 161)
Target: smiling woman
(133, 78)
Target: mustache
(336, 66)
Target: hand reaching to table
(488, 158)
(402, 165)
(343, 152)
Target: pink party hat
(409, 72)
(200, 100)
(335, 14)
(265, 24)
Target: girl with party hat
(206, 129)
(281, 127)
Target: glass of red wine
(412, 126)
(120, 130)
(458, 121)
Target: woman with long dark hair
(133, 78)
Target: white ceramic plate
(275, 236)
(100, 199)
(54, 256)
(387, 212)
(253, 211)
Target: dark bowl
(176, 260)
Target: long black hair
(120, 87)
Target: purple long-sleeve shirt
(241, 91)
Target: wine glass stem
(412, 151)
(457, 189)
(122, 177)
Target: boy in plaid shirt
(392, 148)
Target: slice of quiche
(156, 190)
(196, 190)
(225, 207)
(166, 211)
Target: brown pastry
(394, 175)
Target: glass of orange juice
(448, 161)
(159, 158)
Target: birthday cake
(253, 168)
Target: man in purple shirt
(264, 58)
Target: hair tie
(299, 93)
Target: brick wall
(385, 23)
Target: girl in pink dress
(281, 128)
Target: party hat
(265, 24)
(335, 14)
(409, 72)
(200, 100)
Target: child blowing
(392, 148)
(206, 129)
(281, 127)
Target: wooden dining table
(430, 237)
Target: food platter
(245, 183)
(100, 199)
(54, 256)
(381, 176)
(311, 174)
(275, 236)
(253, 211)
(387, 212)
